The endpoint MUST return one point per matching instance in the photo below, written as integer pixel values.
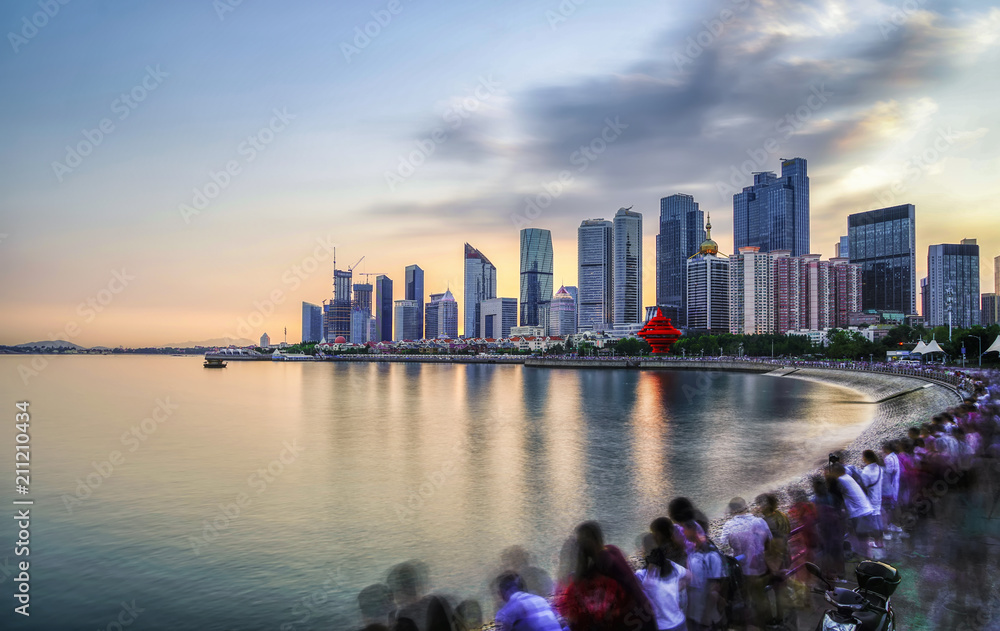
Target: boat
(214, 363)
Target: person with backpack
(708, 572)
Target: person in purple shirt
(523, 611)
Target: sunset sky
(399, 130)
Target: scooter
(866, 608)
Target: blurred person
(536, 580)
(408, 583)
(890, 487)
(707, 572)
(776, 555)
(522, 610)
(375, 603)
(603, 593)
(470, 613)
(871, 478)
(856, 505)
(748, 537)
(665, 585)
(670, 539)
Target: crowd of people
(941, 476)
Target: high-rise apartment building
(751, 292)
(480, 285)
(312, 322)
(383, 308)
(773, 213)
(441, 316)
(953, 284)
(562, 313)
(845, 291)
(990, 309)
(884, 243)
(536, 275)
(627, 267)
(497, 317)
(265, 340)
(682, 230)
(708, 288)
(595, 278)
(415, 291)
(407, 317)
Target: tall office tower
(265, 340)
(682, 230)
(884, 243)
(361, 313)
(407, 316)
(953, 281)
(497, 317)
(562, 313)
(845, 291)
(595, 264)
(536, 274)
(415, 291)
(627, 267)
(339, 315)
(789, 284)
(441, 316)
(773, 213)
(327, 320)
(480, 285)
(842, 249)
(751, 292)
(312, 322)
(925, 299)
(996, 275)
(708, 287)
(990, 309)
(383, 309)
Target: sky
(182, 171)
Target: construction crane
(351, 268)
(371, 274)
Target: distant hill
(52, 344)
(217, 341)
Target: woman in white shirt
(871, 476)
(665, 584)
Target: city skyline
(158, 226)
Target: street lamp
(980, 341)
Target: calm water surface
(382, 463)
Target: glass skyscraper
(498, 316)
(682, 229)
(953, 284)
(627, 267)
(383, 308)
(480, 285)
(407, 316)
(773, 213)
(884, 243)
(536, 274)
(595, 279)
(415, 291)
(312, 322)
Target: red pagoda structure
(659, 333)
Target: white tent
(995, 347)
(920, 348)
(934, 347)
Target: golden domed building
(708, 287)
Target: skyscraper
(361, 313)
(383, 308)
(595, 278)
(441, 316)
(312, 322)
(497, 317)
(773, 213)
(953, 284)
(536, 274)
(990, 309)
(996, 275)
(845, 291)
(627, 267)
(751, 292)
(480, 285)
(562, 313)
(415, 291)
(884, 243)
(842, 249)
(339, 314)
(407, 315)
(682, 230)
(708, 287)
